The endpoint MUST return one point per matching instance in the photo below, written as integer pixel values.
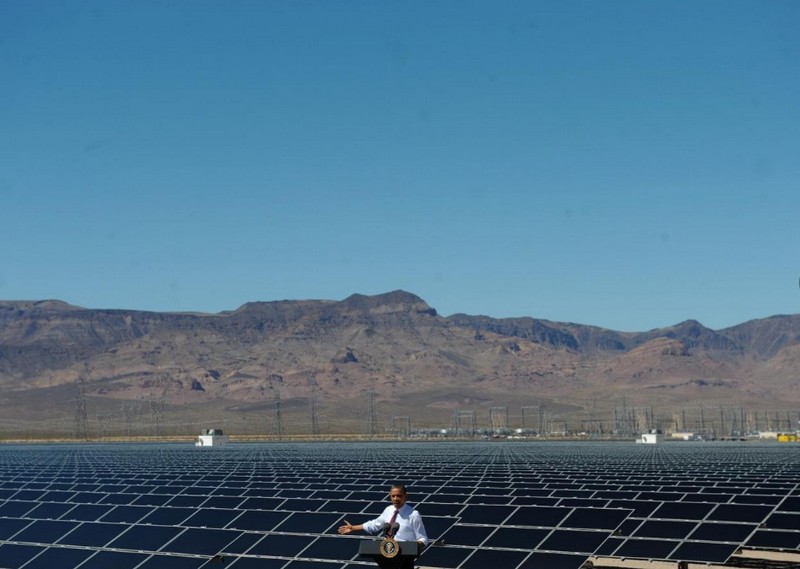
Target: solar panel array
(508, 505)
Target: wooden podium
(394, 555)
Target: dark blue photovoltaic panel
(15, 556)
(595, 518)
(472, 535)
(49, 511)
(206, 517)
(646, 548)
(783, 521)
(250, 563)
(92, 534)
(446, 557)
(15, 508)
(11, 526)
(172, 562)
(665, 529)
(303, 522)
(114, 560)
(167, 516)
(485, 558)
(541, 516)
(45, 531)
(59, 557)
(546, 560)
(516, 538)
(87, 512)
(331, 548)
(574, 541)
(723, 532)
(704, 552)
(203, 541)
(487, 515)
(775, 540)
(127, 514)
(145, 538)
(281, 545)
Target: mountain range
(378, 364)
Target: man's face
(398, 497)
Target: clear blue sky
(624, 164)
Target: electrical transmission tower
(312, 408)
(277, 417)
(464, 423)
(81, 418)
(498, 419)
(533, 417)
(401, 425)
(372, 416)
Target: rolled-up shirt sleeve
(415, 521)
(374, 526)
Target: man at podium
(399, 522)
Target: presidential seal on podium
(389, 548)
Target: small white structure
(211, 438)
(650, 438)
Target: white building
(211, 438)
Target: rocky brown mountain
(372, 364)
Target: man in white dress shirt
(399, 515)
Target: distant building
(211, 438)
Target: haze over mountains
(368, 364)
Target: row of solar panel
(702, 517)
